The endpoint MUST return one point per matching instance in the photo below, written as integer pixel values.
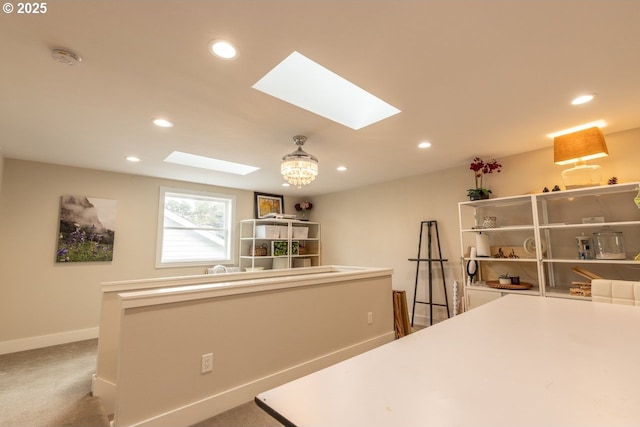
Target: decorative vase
(304, 215)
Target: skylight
(308, 85)
(209, 163)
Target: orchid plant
(304, 208)
(480, 168)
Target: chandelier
(299, 168)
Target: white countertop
(517, 361)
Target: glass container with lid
(609, 244)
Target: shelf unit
(288, 244)
(540, 232)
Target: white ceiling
(475, 78)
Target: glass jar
(609, 245)
(489, 222)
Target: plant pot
(478, 197)
(304, 215)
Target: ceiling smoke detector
(65, 57)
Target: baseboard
(421, 320)
(106, 391)
(213, 405)
(32, 343)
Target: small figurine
(612, 181)
(556, 188)
(545, 190)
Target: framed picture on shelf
(279, 248)
(266, 204)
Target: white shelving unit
(286, 243)
(539, 232)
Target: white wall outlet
(206, 363)
(370, 318)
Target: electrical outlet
(206, 363)
(370, 318)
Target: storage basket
(300, 232)
(279, 263)
(259, 251)
(301, 262)
(267, 231)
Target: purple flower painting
(86, 229)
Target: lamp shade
(579, 146)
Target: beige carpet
(51, 387)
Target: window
(194, 228)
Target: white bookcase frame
(553, 220)
(250, 237)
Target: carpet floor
(51, 387)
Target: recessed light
(133, 159)
(163, 123)
(424, 144)
(583, 99)
(286, 184)
(597, 123)
(223, 49)
(341, 168)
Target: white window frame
(229, 227)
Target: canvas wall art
(86, 229)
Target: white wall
(378, 225)
(372, 226)
(43, 302)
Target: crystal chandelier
(299, 168)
